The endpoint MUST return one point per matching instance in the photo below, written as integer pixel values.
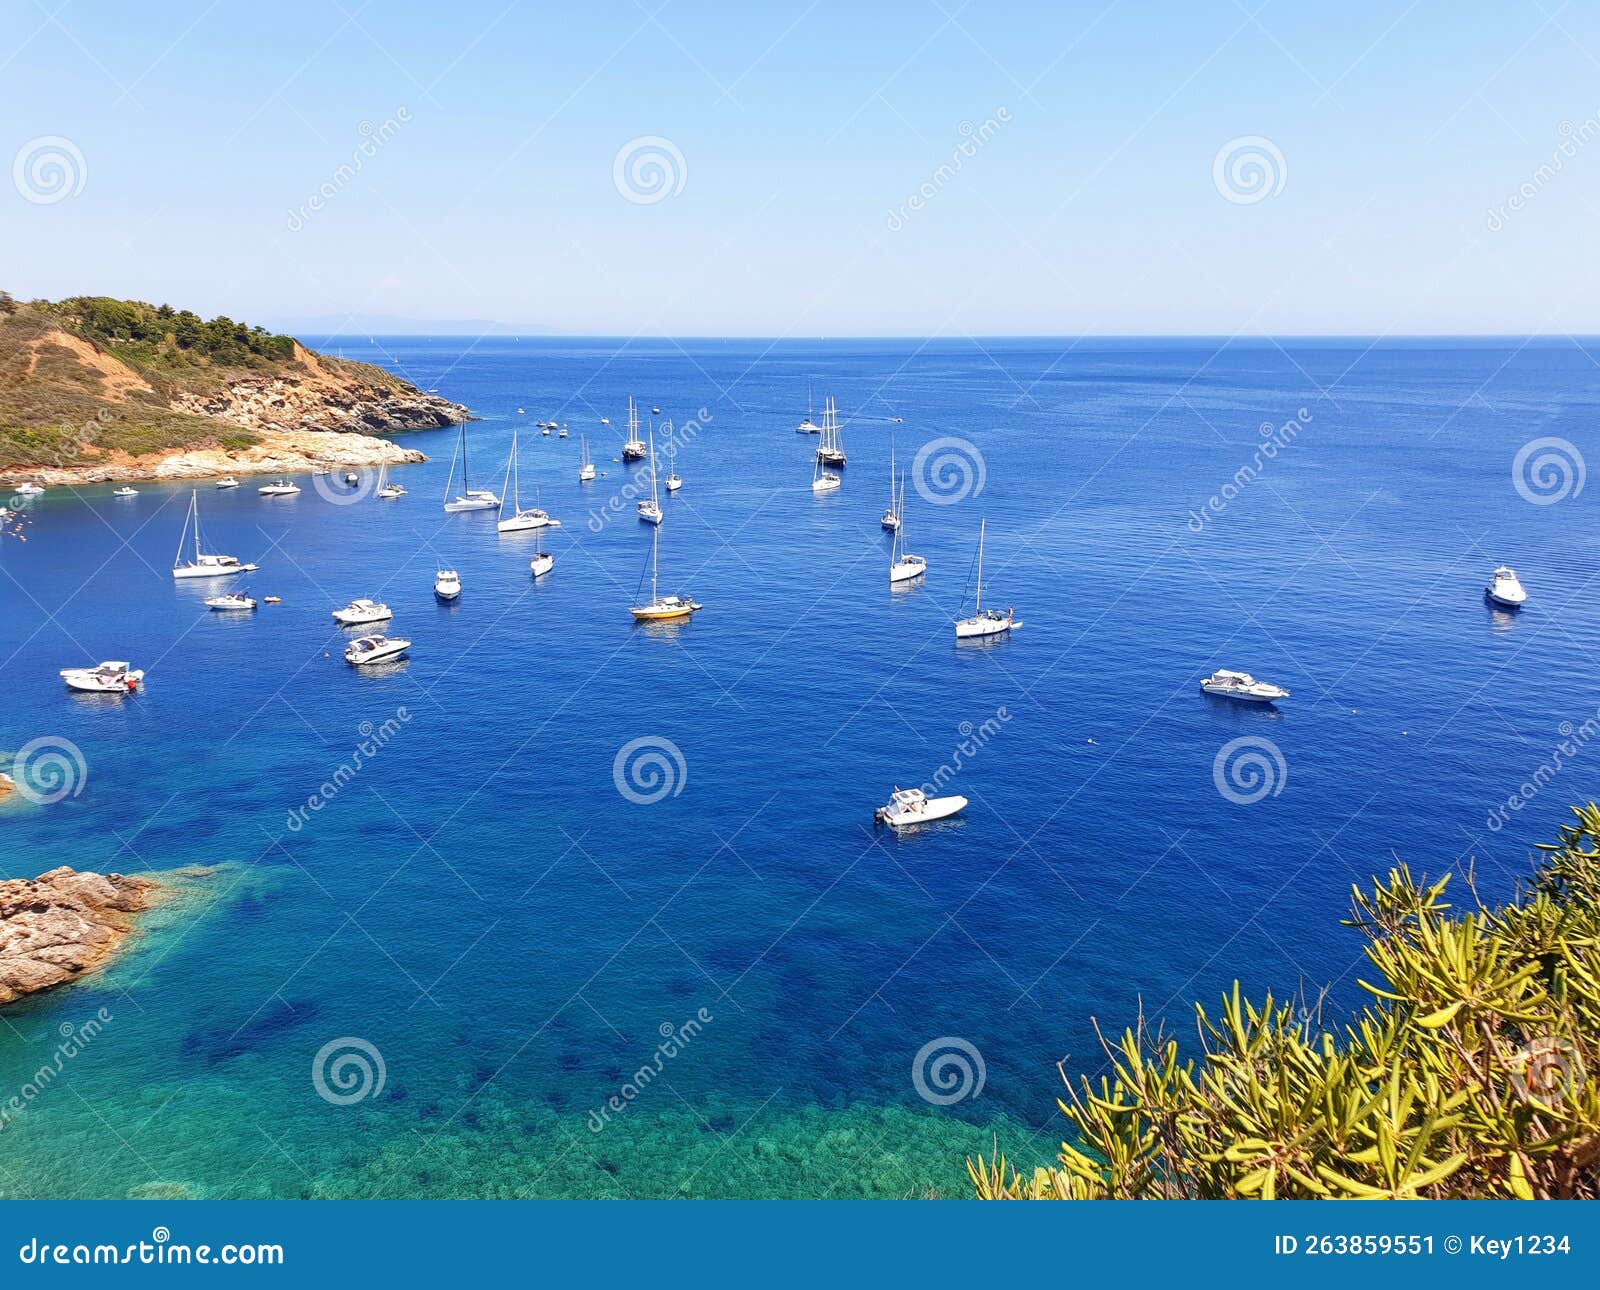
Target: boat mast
(450, 478)
(978, 612)
(893, 508)
(655, 499)
(511, 466)
(655, 563)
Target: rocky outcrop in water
(63, 924)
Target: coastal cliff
(63, 924)
(98, 389)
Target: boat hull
(1505, 602)
(455, 507)
(1241, 696)
(935, 808)
(541, 564)
(523, 523)
(977, 628)
(207, 571)
(903, 572)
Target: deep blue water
(482, 905)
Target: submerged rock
(63, 924)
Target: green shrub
(1468, 1075)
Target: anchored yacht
(231, 601)
(279, 488)
(1504, 589)
(908, 806)
(204, 564)
(360, 612)
(1242, 686)
(374, 649)
(106, 678)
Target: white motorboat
(125, 492)
(585, 466)
(561, 433)
(830, 452)
(903, 566)
(984, 622)
(360, 612)
(545, 432)
(374, 649)
(351, 478)
(28, 490)
(233, 600)
(228, 482)
(278, 488)
(203, 564)
(650, 507)
(605, 421)
(1242, 686)
(519, 521)
(447, 584)
(541, 563)
(633, 448)
(891, 517)
(655, 411)
(1504, 589)
(106, 678)
(469, 498)
(909, 806)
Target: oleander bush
(1471, 1073)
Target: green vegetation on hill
(1473, 1073)
(146, 336)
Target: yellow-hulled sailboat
(661, 608)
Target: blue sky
(195, 135)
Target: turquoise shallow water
(510, 934)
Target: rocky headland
(63, 924)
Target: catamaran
(830, 452)
(204, 563)
(984, 622)
(650, 508)
(469, 498)
(520, 520)
(661, 608)
(903, 566)
(633, 449)
(808, 426)
(891, 517)
(585, 466)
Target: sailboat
(808, 426)
(984, 622)
(205, 564)
(469, 498)
(903, 566)
(386, 490)
(585, 466)
(633, 449)
(830, 452)
(673, 480)
(650, 508)
(891, 517)
(661, 608)
(823, 480)
(520, 520)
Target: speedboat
(232, 600)
(1504, 589)
(352, 478)
(562, 433)
(1242, 686)
(28, 490)
(278, 488)
(542, 563)
(107, 678)
(374, 649)
(545, 432)
(228, 482)
(360, 612)
(447, 584)
(656, 411)
(908, 806)
(125, 492)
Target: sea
(566, 906)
